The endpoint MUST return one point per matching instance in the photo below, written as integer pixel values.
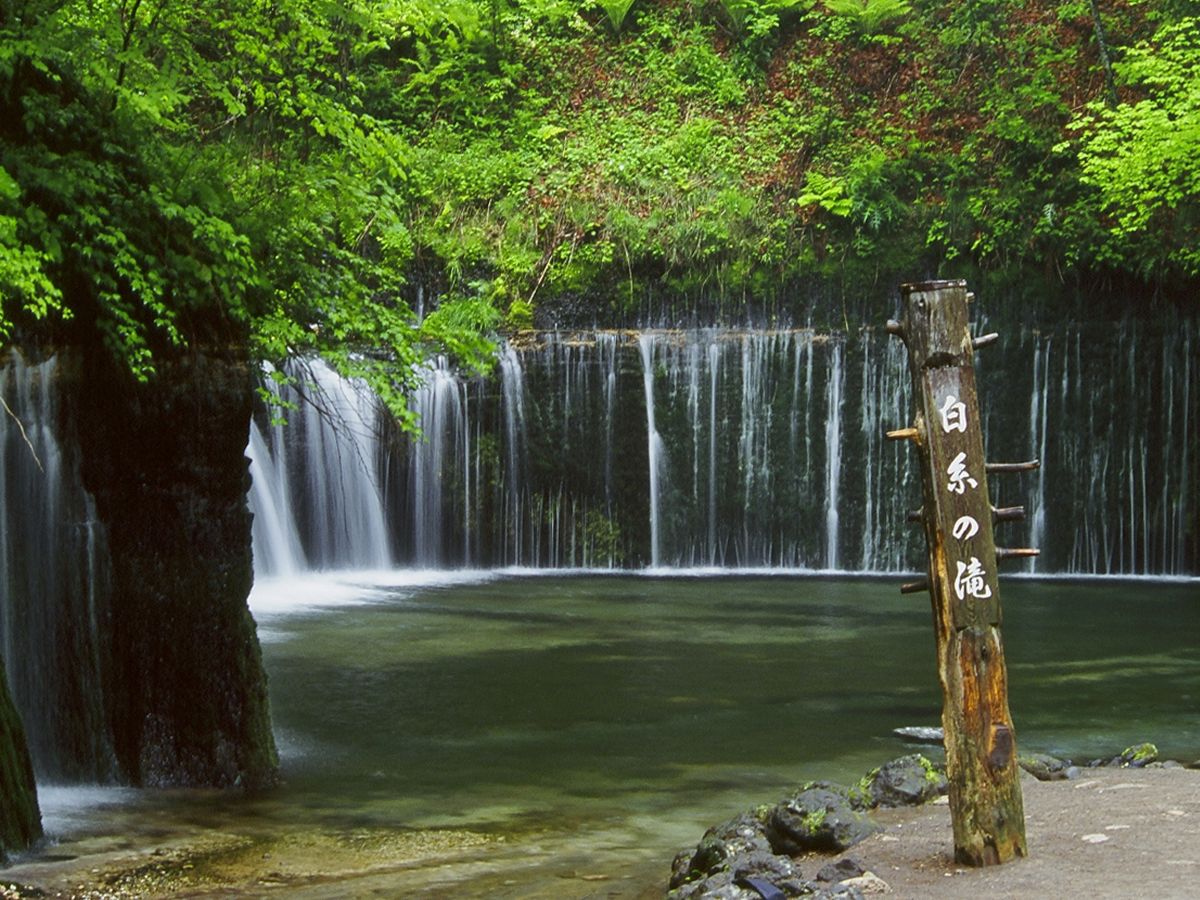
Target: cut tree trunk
(981, 762)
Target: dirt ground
(1119, 833)
(1109, 833)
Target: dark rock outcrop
(164, 460)
(20, 820)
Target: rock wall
(186, 695)
(20, 821)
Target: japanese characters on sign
(965, 528)
(959, 476)
(965, 538)
(954, 414)
(971, 580)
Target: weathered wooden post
(981, 760)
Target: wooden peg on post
(1008, 514)
(981, 759)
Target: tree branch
(24, 435)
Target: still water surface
(606, 720)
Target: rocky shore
(798, 846)
(1128, 827)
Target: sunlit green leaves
(1143, 156)
(869, 16)
(826, 192)
(186, 163)
(616, 10)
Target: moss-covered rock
(719, 847)
(165, 461)
(1139, 755)
(20, 819)
(824, 817)
(1045, 767)
(905, 781)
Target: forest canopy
(377, 181)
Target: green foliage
(603, 538)
(288, 175)
(757, 19)
(616, 10)
(186, 173)
(1141, 156)
(23, 267)
(519, 316)
(869, 16)
(827, 193)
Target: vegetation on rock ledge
(295, 172)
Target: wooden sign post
(981, 753)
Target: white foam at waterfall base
(318, 591)
(69, 809)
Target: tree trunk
(985, 793)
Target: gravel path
(1109, 833)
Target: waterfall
(276, 542)
(1039, 403)
(317, 495)
(438, 458)
(737, 448)
(714, 366)
(833, 455)
(512, 380)
(654, 450)
(607, 345)
(53, 583)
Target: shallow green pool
(611, 718)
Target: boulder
(1138, 755)
(747, 876)
(868, 883)
(844, 868)
(907, 781)
(821, 816)
(720, 844)
(921, 734)
(840, 891)
(734, 861)
(1045, 767)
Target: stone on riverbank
(1045, 767)
(1139, 755)
(822, 816)
(844, 868)
(907, 781)
(921, 734)
(728, 854)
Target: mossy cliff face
(165, 461)
(20, 821)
